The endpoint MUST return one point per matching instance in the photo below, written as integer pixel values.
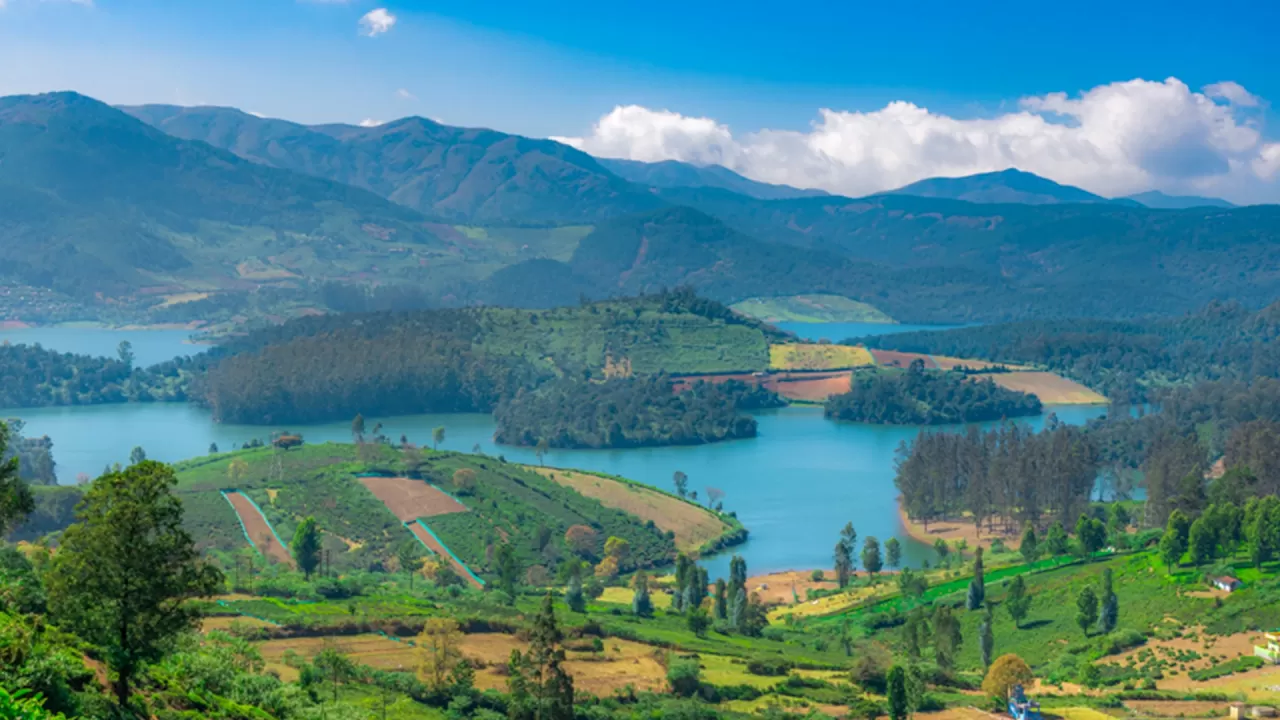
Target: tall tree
(16, 500)
(641, 604)
(977, 594)
(125, 570)
(437, 437)
(357, 429)
(1109, 614)
(986, 638)
(124, 351)
(893, 549)
(409, 555)
(721, 600)
(1174, 541)
(1055, 542)
(306, 546)
(896, 693)
(137, 455)
(1202, 540)
(871, 556)
(508, 571)
(681, 482)
(1029, 545)
(1017, 601)
(1086, 609)
(946, 637)
(439, 652)
(551, 686)
(574, 597)
(843, 554)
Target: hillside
(1157, 199)
(469, 175)
(810, 309)
(92, 200)
(673, 173)
(1006, 186)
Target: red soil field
(411, 499)
(812, 387)
(421, 533)
(258, 529)
(893, 358)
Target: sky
(851, 97)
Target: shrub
(769, 667)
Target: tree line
(1009, 474)
(35, 376)
(629, 412)
(921, 397)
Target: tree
(541, 449)
(681, 482)
(137, 455)
(16, 500)
(539, 686)
(977, 586)
(582, 540)
(1117, 520)
(714, 496)
(896, 693)
(1029, 545)
(1017, 601)
(439, 652)
(893, 549)
(916, 686)
(357, 429)
(698, 621)
(641, 604)
(409, 555)
(721, 606)
(213, 448)
(986, 638)
(236, 471)
(125, 570)
(508, 571)
(684, 677)
(617, 548)
(337, 667)
(464, 481)
(940, 546)
(1086, 609)
(1091, 535)
(871, 556)
(1109, 614)
(306, 546)
(843, 564)
(573, 595)
(1055, 542)
(124, 351)
(1174, 541)
(1203, 541)
(437, 437)
(1008, 670)
(911, 584)
(946, 637)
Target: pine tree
(1109, 615)
(871, 556)
(986, 638)
(1086, 609)
(573, 595)
(1029, 546)
(896, 693)
(893, 549)
(722, 600)
(977, 586)
(1055, 542)
(1017, 601)
(546, 692)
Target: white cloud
(376, 22)
(405, 94)
(1114, 139)
(370, 122)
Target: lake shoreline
(951, 531)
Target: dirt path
(258, 529)
(419, 531)
(954, 530)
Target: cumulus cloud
(1114, 139)
(377, 21)
(370, 122)
(405, 94)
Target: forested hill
(916, 396)
(332, 367)
(91, 199)
(1125, 360)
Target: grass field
(811, 309)
(694, 526)
(1052, 389)
(815, 356)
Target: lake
(149, 346)
(837, 332)
(793, 486)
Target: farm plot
(433, 544)
(812, 387)
(817, 356)
(1050, 388)
(693, 525)
(618, 664)
(258, 530)
(893, 358)
(411, 499)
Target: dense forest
(37, 377)
(1125, 360)
(1008, 474)
(35, 454)
(630, 412)
(922, 397)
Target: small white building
(1226, 584)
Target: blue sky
(554, 69)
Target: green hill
(673, 173)
(462, 174)
(1006, 186)
(92, 200)
(810, 309)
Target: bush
(769, 667)
(1240, 664)
(684, 676)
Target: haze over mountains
(115, 201)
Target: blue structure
(1020, 708)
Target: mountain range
(118, 203)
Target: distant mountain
(1157, 199)
(458, 174)
(673, 174)
(1006, 186)
(94, 201)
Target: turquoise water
(794, 486)
(835, 332)
(149, 346)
